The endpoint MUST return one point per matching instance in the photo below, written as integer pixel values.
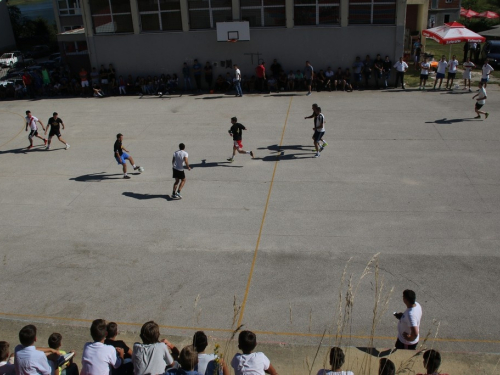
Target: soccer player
(122, 157)
(54, 123)
(319, 130)
(178, 160)
(236, 132)
(31, 122)
(480, 101)
(314, 116)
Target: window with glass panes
(68, 7)
(160, 15)
(374, 12)
(111, 16)
(316, 12)
(203, 14)
(263, 13)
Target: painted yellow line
(272, 333)
(249, 282)
(20, 131)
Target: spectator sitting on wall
(299, 80)
(219, 83)
(347, 79)
(291, 80)
(329, 74)
(320, 80)
(282, 81)
(337, 359)
(432, 361)
(272, 84)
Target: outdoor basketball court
(408, 175)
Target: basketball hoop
(232, 40)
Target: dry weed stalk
(196, 314)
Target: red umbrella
(488, 14)
(452, 33)
(468, 13)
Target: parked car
(39, 51)
(491, 51)
(21, 65)
(10, 58)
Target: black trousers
(400, 76)
(400, 345)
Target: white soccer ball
(141, 169)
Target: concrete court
(406, 174)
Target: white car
(8, 59)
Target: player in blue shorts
(122, 157)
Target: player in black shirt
(122, 157)
(236, 132)
(55, 123)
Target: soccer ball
(141, 169)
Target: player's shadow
(147, 196)
(375, 352)
(215, 97)
(97, 177)
(204, 164)
(283, 152)
(455, 92)
(277, 148)
(279, 94)
(22, 150)
(446, 121)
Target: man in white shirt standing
(31, 122)
(468, 66)
(441, 71)
(486, 70)
(424, 73)
(179, 159)
(401, 68)
(409, 322)
(28, 360)
(452, 72)
(237, 81)
(480, 101)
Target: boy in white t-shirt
(200, 343)
(452, 71)
(248, 362)
(468, 66)
(486, 70)
(179, 159)
(480, 101)
(409, 322)
(441, 71)
(337, 359)
(31, 122)
(424, 73)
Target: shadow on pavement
(277, 148)
(277, 94)
(23, 150)
(147, 196)
(97, 177)
(374, 352)
(204, 164)
(446, 121)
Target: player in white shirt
(441, 71)
(486, 70)
(468, 66)
(424, 73)
(31, 122)
(452, 71)
(409, 322)
(401, 68)
(480, 101)
(179, 159)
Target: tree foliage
(38, 29)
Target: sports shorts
(238, 144)
(452, 75)
(308, 81)
(33, 133)
(439, 75)
(424, 76)
(479, 106)
(485, 80)
(357, 77)
(53, 132)
(318, 135)
(123, 158)
(85, 83)
(178, 174)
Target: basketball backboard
(233, 31)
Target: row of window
(115, 16)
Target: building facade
(443, 11)
(158, 36)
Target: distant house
(443, 11)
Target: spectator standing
(486, 70)
(401, 68)
(480, 101)
(424, 73)
(452, 72)
(409, 322)
(197, 74)
(28, 84)
(6, 359)
(31, 122)
(94, 76)
(441, 71)
(337, 360)
(432, 361)
(237, 81)
(97, 358)
(417, 50)
(152, 356)
(357, 69)
(186, 74)
(477, 53)
(309, 76)
(472, 50)
(28, 360)
(260, 73)
(467, 75)
(104, 76)
(236, 131)
(84, 80)
(378, 67)
(276, 68)
(387, 71)
(249, 362)
(367, 70)
(209, 76)
(179, 160)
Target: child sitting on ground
(432, 361)
(200, 343)
(6, 359)
(97, 357)
(337, 359)
(27, 359)
(248, 362)
(66, 367)
(127, 366)
(188, 359)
